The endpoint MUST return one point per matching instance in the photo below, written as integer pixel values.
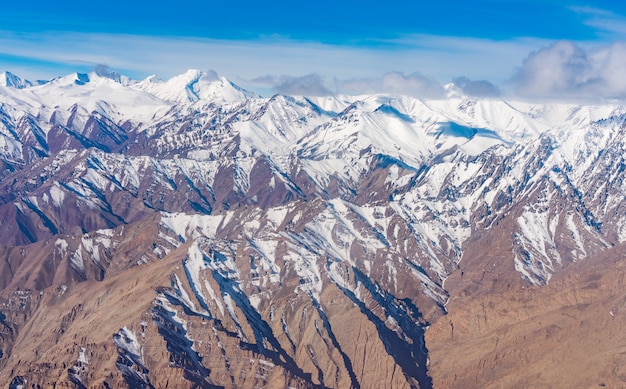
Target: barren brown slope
(503, 333)
(86, 318)
(144, 326)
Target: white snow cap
(10, 80)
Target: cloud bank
(310, 84)
(414, 84)
(476, 88)
(565, 70)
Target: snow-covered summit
(118, 96)
(402, 126)
(103, 71)
(10, 80)
(70, 79)
(192, 86)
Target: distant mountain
(10, 80)
(193, 86)
(190, 233)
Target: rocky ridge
(190, 233)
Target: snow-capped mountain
(248, 232)
(193, 86)
(10, 80)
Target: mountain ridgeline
(189, 233)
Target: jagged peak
(104, 72)
(153, 78)
(10, 80)
(71, 79)
(191, 77)
(195, 85)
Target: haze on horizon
(533, 49)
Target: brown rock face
(154, 325)
(562, 335)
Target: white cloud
(413, 84)
(309, 85)
(565, 70)
(476, 88)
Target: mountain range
(190, 233)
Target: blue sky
(329, 46)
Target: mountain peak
(71, 79)
(196, 75)
(195, 85)
(104, 72)
(10, 80)
(153, 78)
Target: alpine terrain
(190, 234)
